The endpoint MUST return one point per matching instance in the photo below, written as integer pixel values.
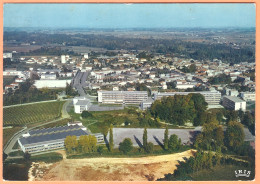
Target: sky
(130, 15)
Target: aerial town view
(129, 92)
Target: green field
(33, 113)
(8, 133)
(93, 123)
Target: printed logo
(244, 173)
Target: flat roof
(234, 98)
(52, 134)
(123, 92)
(82, 102)
(176, 93)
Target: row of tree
(213, 137)
(179, 109)
(28, 93)
(172, 143)
(201, 160)
(220, 79)
(195, 50)
(85, 144)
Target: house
(81, 105)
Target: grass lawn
(62, 122)
(8, 133)
(224, 172)
(47, 157)
(32, 113)
(93, 123)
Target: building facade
(122, 97)
(234, 103)
(211, 97)
(52, 138)
(248, 96)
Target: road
(64, 112)
(79, 82)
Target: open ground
(107, 169)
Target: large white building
(51, 83)
(39, 140)
(211, 97)
(122, 97)
(234, 103)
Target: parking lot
(155, 136)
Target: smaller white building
(234, 103)
(81, 105)
(248, 96)
(63, 59)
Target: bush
(126, 146)
(174, 142)
(100, 150)
(86, 114)
(150, 147)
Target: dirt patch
(110, 169)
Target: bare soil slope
(109, 169)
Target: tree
(104, 129)
(150, 147)
(219, 136)
(219, 117)
(71, 144)
(209, 160)
(68, 144)
(86, 114)
(217, 158)
(126, 146)
(100, 149)
(68, 89)
(83, 144)
(166, 139)
(74, 143)
(232, 116)
(92, 143)
(111, 139)
(145, 139)
(235, 134)
(174, 143)
(4, 156)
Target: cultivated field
(33, 113)
(107, 169)
(8, 133)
